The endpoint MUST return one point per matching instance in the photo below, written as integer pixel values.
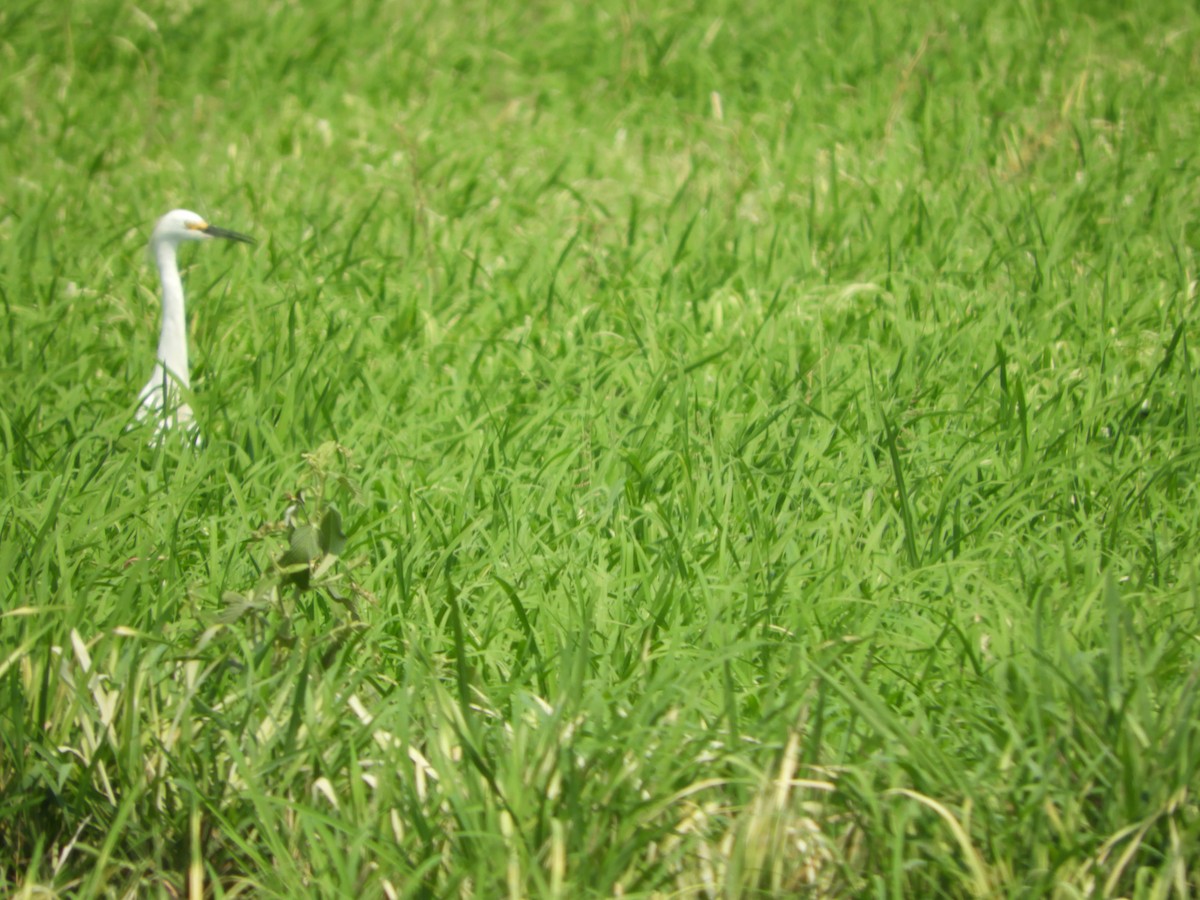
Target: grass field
(766, 438)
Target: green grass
(766, 437)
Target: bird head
(181, 225)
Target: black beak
(214, 231)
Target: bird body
(160, 399)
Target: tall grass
(765, 438)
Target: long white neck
(172, 343)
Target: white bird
(160, 398)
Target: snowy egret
(160, 398)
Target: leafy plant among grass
(699, 450)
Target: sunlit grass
(766, 442)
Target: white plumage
(160, 399)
